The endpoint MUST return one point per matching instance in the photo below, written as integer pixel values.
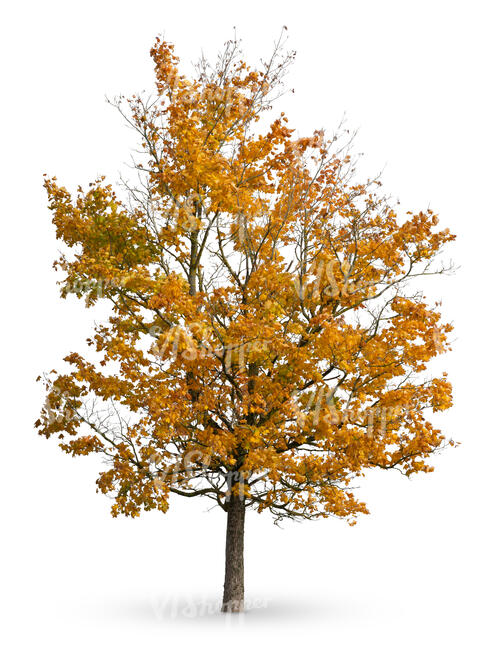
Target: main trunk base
(233, 598)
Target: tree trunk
(234, 589)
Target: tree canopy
(267, 334)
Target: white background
(415, 79)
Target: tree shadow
(176, 608)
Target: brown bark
(234, 590)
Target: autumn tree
(266, 338)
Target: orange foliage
(266, 333)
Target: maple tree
(266, 342)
